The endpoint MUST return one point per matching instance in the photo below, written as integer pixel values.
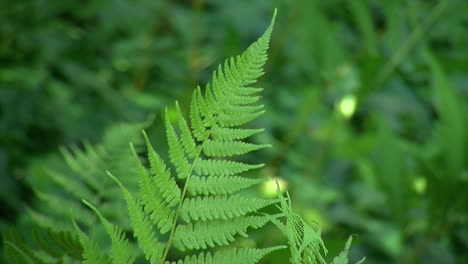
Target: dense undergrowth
(366, 112)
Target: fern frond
(159, 193)
(198, 149)
(72, 185)
(229, 256)
(120, 251)
(227, 102)
(63, 206)
(218, 148)
(311, 244)
(202, 235)
(92, 253)
(46, 221)
(305, 243)
(238, 118)
(16, 251)
(57, 244)
(142, 228)
(211, 167)
(186, 135)
(220, 184)
(18, 255)
(220, 207)
(230, 134)
(84, 178)
(342, 258)
(247, 90)
(161, 177)
(176, 151)
(78, 161)
(209, 108)
(247, 108)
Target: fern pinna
(84, 178)
(205, 211)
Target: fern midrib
(184, 191)
(182, 196)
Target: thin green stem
(182, 197)
(179, 206)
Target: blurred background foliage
(367, 106)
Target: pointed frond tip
(342, 258)
(272, 22)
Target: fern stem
(217, 119)
(182, 197)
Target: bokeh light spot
(347, 106)
(269, 187)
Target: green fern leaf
(247, 90)
(217, 148)
(220, 184)
(159, 193)
(220, 207)
(229, 134)
(16, 250)
(229, 256)
(342, 258)
(78, 161)
(64, 205)
(239, 109)
(142, 228)
(238, 118)
(305, 243)
(198, 125)
(72, 185)
(202, 235)
(200, 148)
(92, 253)
(209, 107)
(222, 167)
(84, 178)
(18, 255)
(186, 135)
(57, 244)
(161, 177)
(120, 251)
(176, 151)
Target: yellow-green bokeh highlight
(268, 188)
(347, 106)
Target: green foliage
(49, 246)
(209, 221)
(85, 178)
(342, 258)
(305, 242)
(61, 193)
(366, 106)
(120, 251)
